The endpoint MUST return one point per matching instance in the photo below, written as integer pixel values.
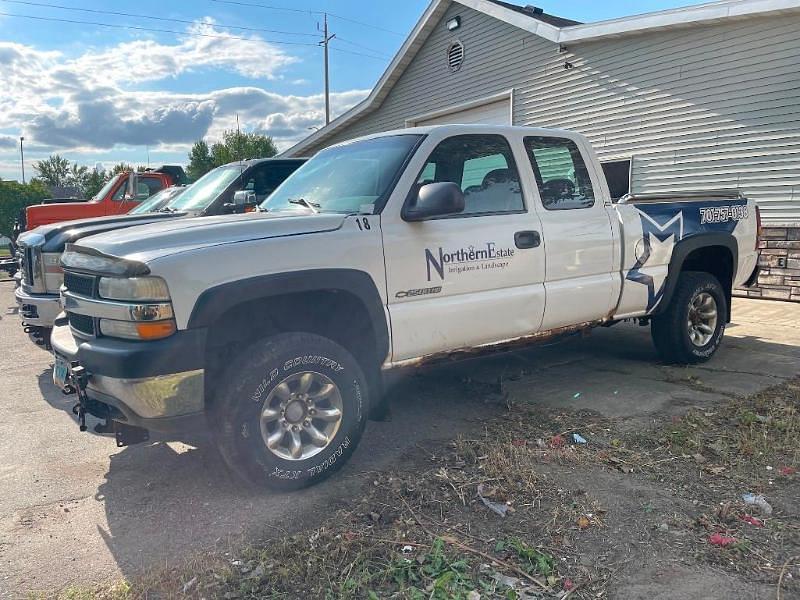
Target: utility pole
(238, 146)
(324, 43)
(22, 158)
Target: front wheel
(292, 411)
(690, 329)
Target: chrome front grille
(83, 285)
(27, 265)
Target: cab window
(263, 180)
(483, 167)
(147, 186)
(561, 173)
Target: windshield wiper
(312, 206)
(167, 209)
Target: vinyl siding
(706, 107)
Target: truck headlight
(52, 262)
(133, 288)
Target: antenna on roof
(534, 9)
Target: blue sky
(100, 94)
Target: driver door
(468, 279)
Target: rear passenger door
(580, 283)
(462, 280)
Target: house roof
(537, 13)
(553, 28)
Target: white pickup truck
(275, 330)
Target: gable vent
(455, 56)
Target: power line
(342, 50)
(363, 24)
(310, 12)
(154, 30)
(283, 8)
(362, 46)
(154, 18)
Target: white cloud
(91, 102)
(8, 141)
(147, 60)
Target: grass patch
(756, 438)
(426, 533)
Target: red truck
(122, 193)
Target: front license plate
(60, 372)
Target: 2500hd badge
(418, 292)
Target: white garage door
(491, 113)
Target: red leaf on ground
(786, 471)
(519, 442)
(717, 539)
(752, 520)
(557, 441)
(568, 585)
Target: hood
(57, 235)
(46, 206)
(148, 242)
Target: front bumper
(38, 310)
(138, 381)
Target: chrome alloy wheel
(702, 320)
(301, 415)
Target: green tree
(121, 167)
(93, 182)
(200, 161)
(14, 196)
(54, 171)
(242, 146)
(77, 177)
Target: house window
(618, 177)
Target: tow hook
(125, 435)
(78, 379)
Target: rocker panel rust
(496, 347)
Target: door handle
(527, 239)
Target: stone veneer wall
(779, 278)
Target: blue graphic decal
(666, 224)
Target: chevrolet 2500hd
(213, 194)
(384, 252)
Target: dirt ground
(627, 515)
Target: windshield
(207, 189)
(344, 178)
(104, 191)
(157, 201)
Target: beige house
(704, 97)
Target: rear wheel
(294, 413)
(690, 329)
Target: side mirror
(435, 200)
(133, 185)
(242, 200)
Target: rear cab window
(560, 171)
